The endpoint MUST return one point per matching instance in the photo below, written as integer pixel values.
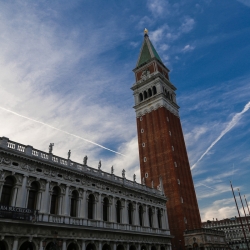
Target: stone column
(45, 204)
(125, 213)
(23, 197)
(164, 219)
(1, 187)
(98, 214)
(15, 244)
(14, 196)
(136, 215)
(100, 245)
(64, 246)
(112, 210)
(66, 201)
(154, 219)
(83, 245)
(83, 212)
(146, 222)
(41, 245)
(38, 202)
(127, 246)
(114, 246)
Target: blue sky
(69, 64)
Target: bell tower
(162, 147)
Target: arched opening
(120, 247)
(54, 245)
(153, 248)
(72, 246)
(171, 97)
(91, 246)
(105, 208)
(7, 191)
(54, 206)
(130, 213)
(3, 245)
(154, 90)
(27, 246)
(140, 215)
(159, 218)
(149, 93)
(118, 211)
(106, 247)
(73, 203)
(132, 247)
(140, 97)
(91, 203)
(150, 213)
(162, 248)
(33, 193)
(143, 247)
(145, 94)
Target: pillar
(83, 211)
(99, 208)
(23, 193)
(41, 245)
(125, 213)
(45, 199)
(114, 246)
(83, 245)
(146, 217)
(66, 201)
(64, 246)
(136, 215)
(14, 196)
(15, 244)
(99, 245)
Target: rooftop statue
(85, 159)
(51, 147)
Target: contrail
(65, 132)
(205, 186)
(229, 126)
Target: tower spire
(148, 52)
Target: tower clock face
(145, 73)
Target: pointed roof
(147, 52)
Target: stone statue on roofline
(69, 154)
(123, 173)
(134, 177)
(112, 170)
(99, 165)
(85, 159)
(51, 147)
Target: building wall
(28, 166)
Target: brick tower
(162, 147)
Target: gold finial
(145, 31)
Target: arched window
(154, 90)
(130, 213)
(54, 206)
(149, 93)
(33, 192)
(7, 191)
(140, 215)
(140, 97)
(145, 95)
(91, 203)
(118, 211)
(150, 213)
(159, 217)
(73, 203)
(105, 209)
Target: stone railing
(204, 230)
(66, 220)
(30, 152)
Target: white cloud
(158, 7)
(220, 209)
(245, 2)
(40, 78)
(188, 48)
(187, 25)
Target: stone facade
(75, 205)
(233, 230)
(205, 239)
(161, 143)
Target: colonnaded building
(48, 202)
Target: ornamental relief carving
(5, 161)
